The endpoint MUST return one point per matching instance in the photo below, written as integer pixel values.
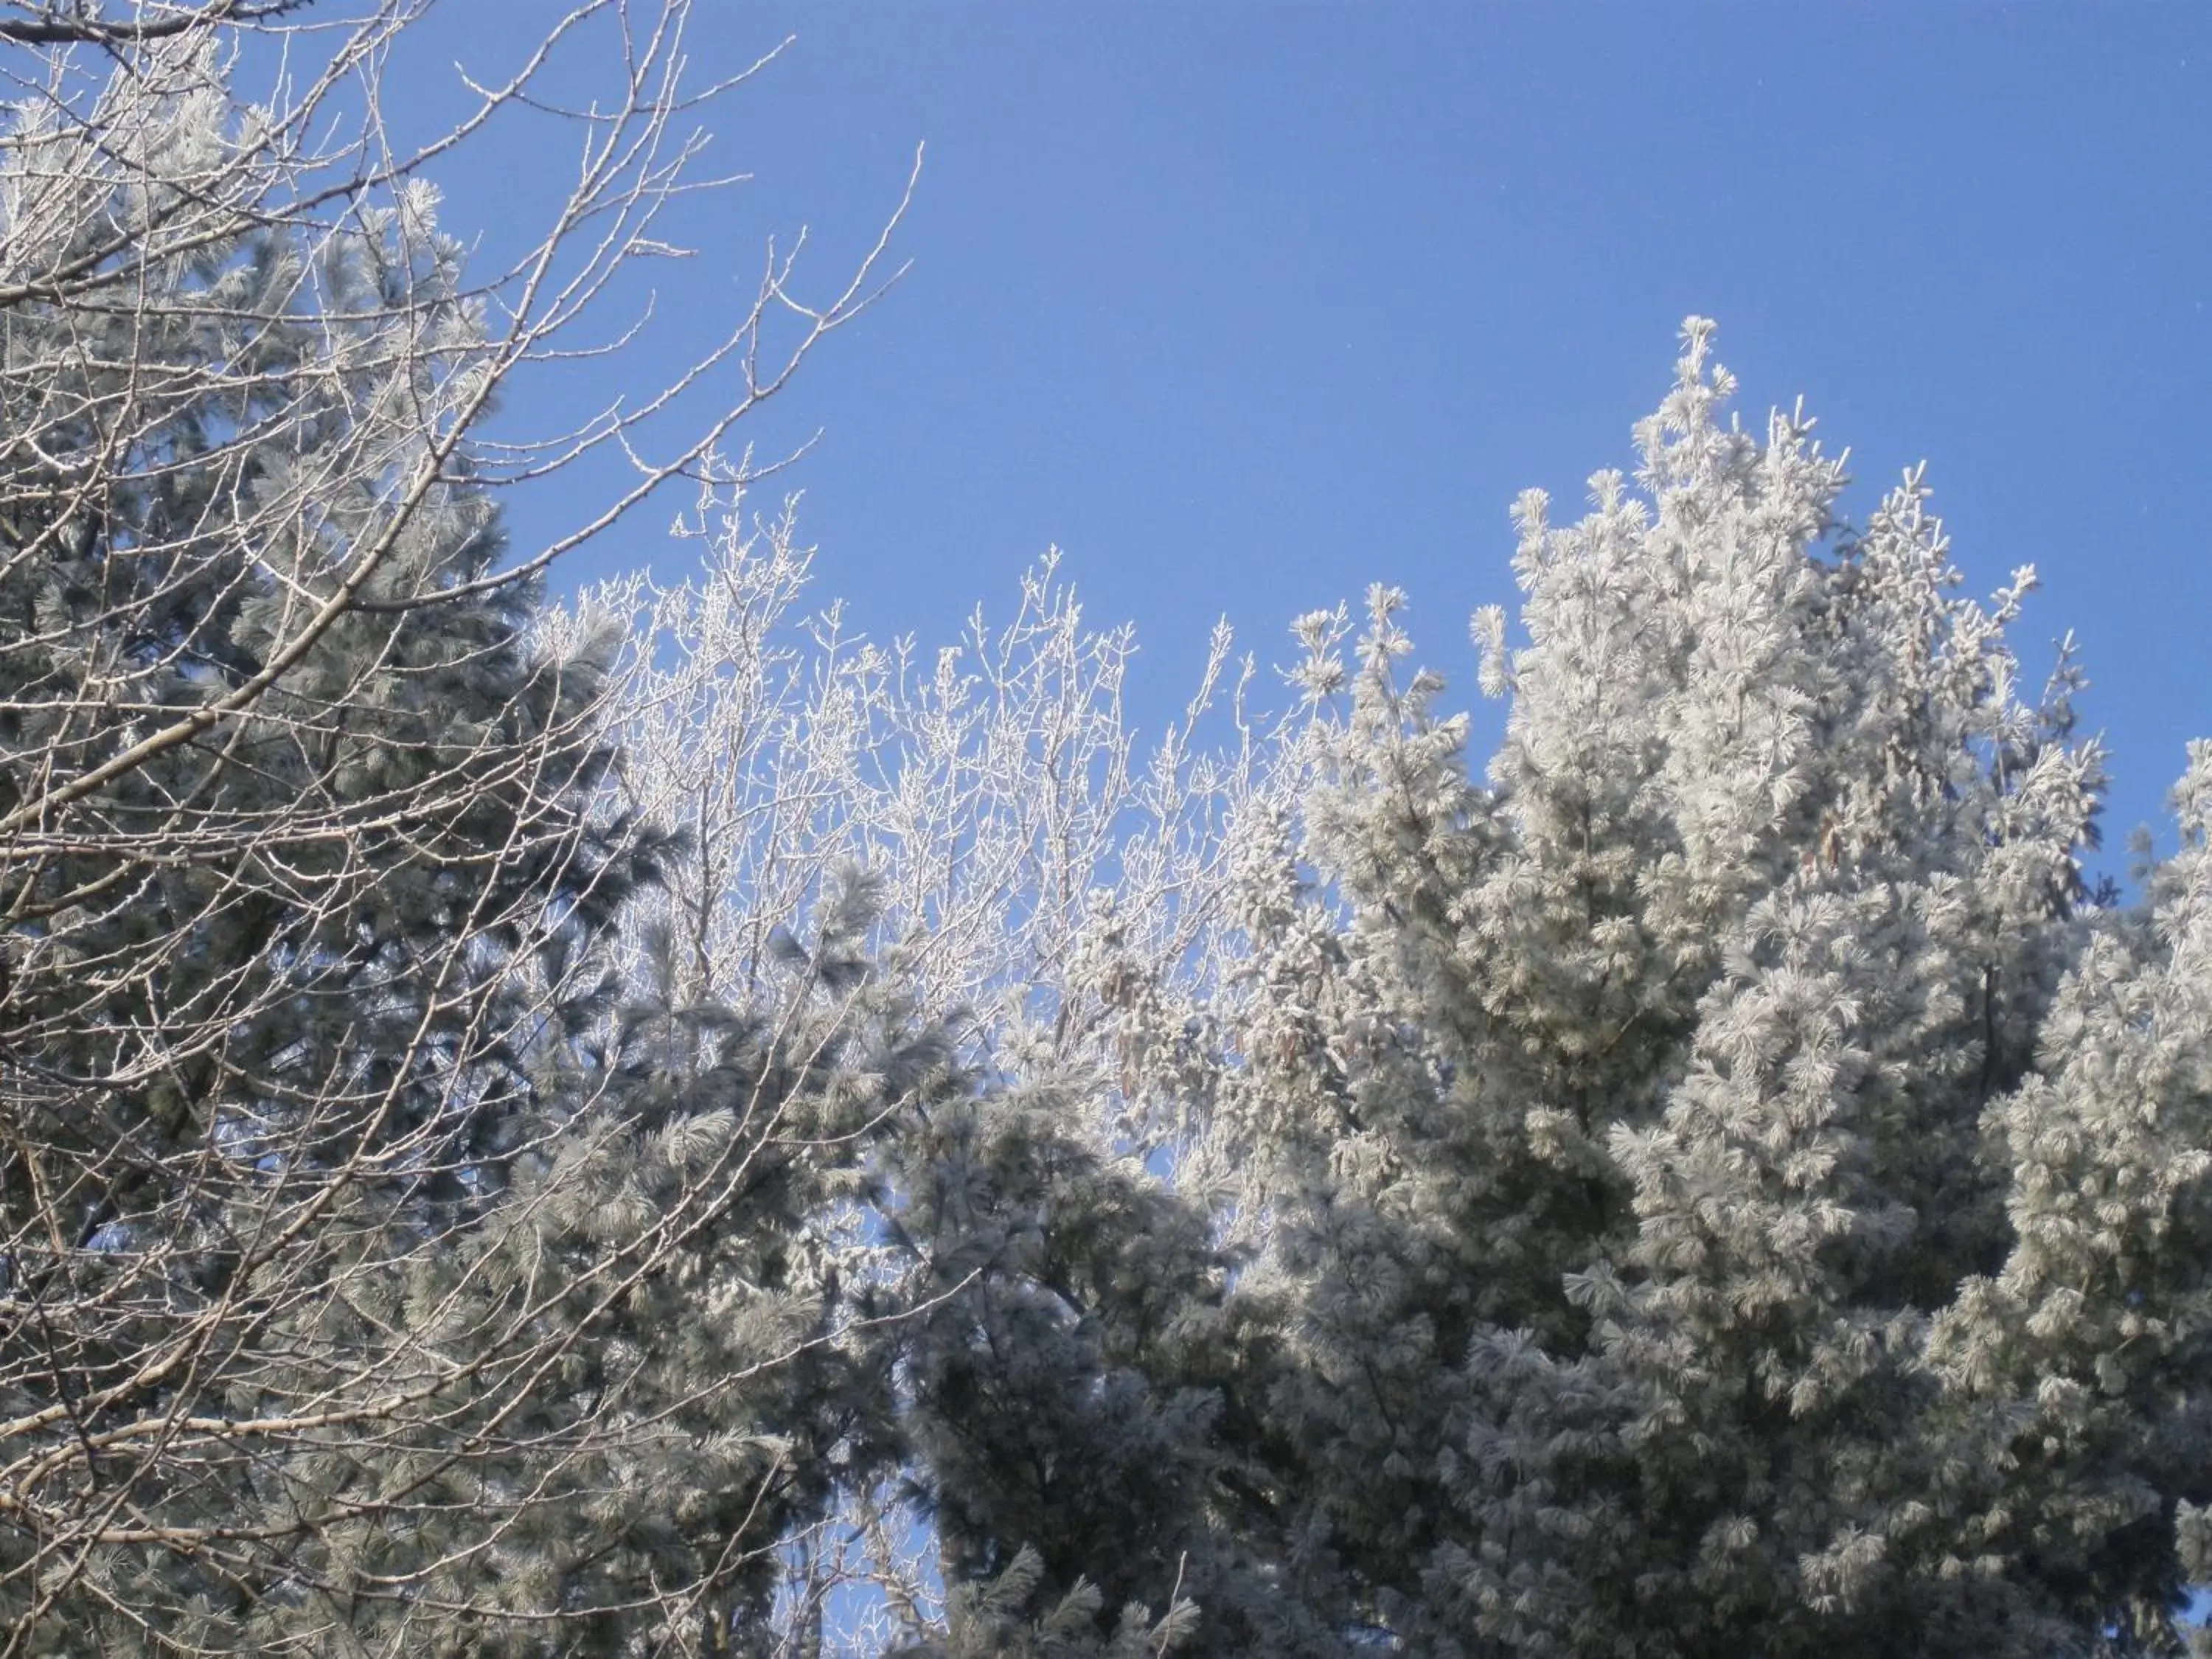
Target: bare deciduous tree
(308, 1071)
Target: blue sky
(1246, 305)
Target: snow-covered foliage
(1024, 841)
(660, 1127)
(1721, 1183)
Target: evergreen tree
(1725, 1184)
(1081, 1416)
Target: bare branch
(53, 25)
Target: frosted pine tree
(2078, 1365)
(1726, 1185)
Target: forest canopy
(643, 1122)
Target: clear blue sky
(1246, 305)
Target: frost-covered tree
(344, 1197)
(753, 1142)
(1638, 1202)
(1028, 849)
(1724, 1183)
(1052, 892)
